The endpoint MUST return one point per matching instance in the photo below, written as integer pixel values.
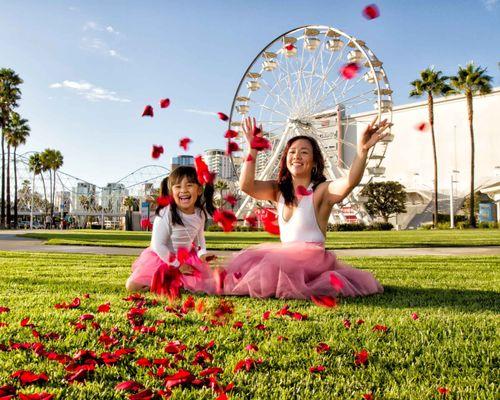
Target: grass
(453, 344)
(240, 240)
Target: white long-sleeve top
(167, 238)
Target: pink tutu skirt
(294, 270)
(148, 262)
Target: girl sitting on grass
(300, 267)
(177, 225)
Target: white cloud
(202, 112)
(490, 4)
(100, 46)
(94, 26)
(89, 91)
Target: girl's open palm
(374, 133)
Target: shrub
(380, 226)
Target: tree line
(15, 132)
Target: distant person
(48, 222)
(179, 225)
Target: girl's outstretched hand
(249, 125)
(373, 133)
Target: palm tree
(221, 185)
(52, 160)
(9, 95)
(433, 84)
(130, 202)
(16, 135)
(36, 166)
(469, 81)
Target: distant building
(112, 197)
(83, 193)
(220, 163)
(181, 160)
(62, 201)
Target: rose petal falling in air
(422, 126)
(350, 70)
(157, 151)
(148, 111)
(371, 12)
(230, 134)
(222, 116)
(164, 103)
(184, 142)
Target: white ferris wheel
(294, 87)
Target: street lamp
(452, 218)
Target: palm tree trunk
(2, 213)
(472, 219)
(50, 192)
(430, 103)
(53, 191)
(9, 216)
(15, 189)
(44, 194)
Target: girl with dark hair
(300, 267)
(177, 225)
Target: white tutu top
(302, 225)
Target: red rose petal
(164, 103)
(350, 70)
(4, 310)
(103, 308)
(164, 201)
(249, 158)
(148, 111)
(230, 134)
(336, 283)
(232, 147)
(371, 12)
(368, 396)
(204, 174)
(225, 219)
(422, 126)
(231, 199)
(289, 47)
(33, 396)
(361, 358)
(184, 142)
(129, 385)
(222, 116)
(318, 368)
(157, 151)
(324, 301)
(269, 220)
(302, 191)
(414, 316)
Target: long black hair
(203, 202)
(285, 183)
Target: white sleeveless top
(302, 225)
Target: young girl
(178, 225)
(300, 267)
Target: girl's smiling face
(299, 159)
(185, 194)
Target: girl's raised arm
(260, 190)
(340, 188)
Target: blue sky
(117, 56)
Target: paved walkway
(9, 241)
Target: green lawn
(453, 343)
(335, 240)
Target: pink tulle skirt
(294, 270)
(148, 262)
